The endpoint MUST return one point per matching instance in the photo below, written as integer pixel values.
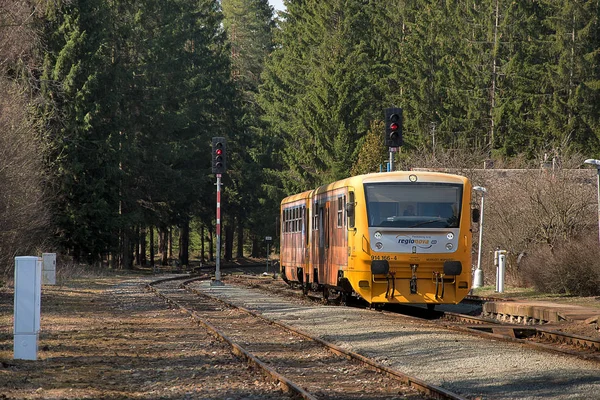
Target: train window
(303, 217)
(295, 220)
(287, 221)
(351, 217)
(414, 205)
(316, 217)
(340, 211)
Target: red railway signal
(393, 127)
(219, 153)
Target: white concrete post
(28, 298)
(478, 274)
(49, 268)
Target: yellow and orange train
(395, 237)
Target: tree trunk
(240, 240)
(152, 247)
(137, 251)
(163, 245)
(202, 259)
(228, 242)
(255, 247)
(126, 249)
(170, 242)
(184, 243)
(211, 240)
(143, 234)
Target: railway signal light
(219, 155)
(393, 127)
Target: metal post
(598, 188)
(391, 164)
(217, 281)
(596, 163)
(478, 276)
(500, 272)
(268, 240)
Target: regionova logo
(422, 242)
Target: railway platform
(540, 312)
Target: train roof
(298, 196)
(394, 176)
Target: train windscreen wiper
(430, 221)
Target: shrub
(571, 267)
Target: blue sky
(277, 4)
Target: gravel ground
(108, 338)
(471, 366)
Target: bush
(571, 267)
(527, 210)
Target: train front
(416, 239)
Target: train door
(324, 237)
(351, 228)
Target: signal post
(219, 153)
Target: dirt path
(106, 338)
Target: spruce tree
(78, 82)
(249, 25)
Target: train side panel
(294, 236)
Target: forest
(108, 109)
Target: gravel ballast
(471, 366)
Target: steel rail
(238, 350)
(434, 391)
(523, 334)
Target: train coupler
(439, 280)
(391, 277)
(413, 279)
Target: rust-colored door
(324, 241)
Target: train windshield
(414, 205)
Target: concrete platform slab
(539, 311)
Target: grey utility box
(48, 268)
(28, 298)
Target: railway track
(540, 337)
(305, 366)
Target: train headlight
(450, 236)
(449, 246)
(378, 235)
(379, 245)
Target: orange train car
(395, 237)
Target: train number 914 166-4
(388, 258)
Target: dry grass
(100, 343)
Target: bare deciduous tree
(23, 210)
